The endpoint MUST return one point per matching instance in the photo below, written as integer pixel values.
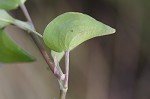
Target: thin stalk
(63, 94)
(26, 13)
(66, 69)
(26, 26)
(39, 44)
(63, 82)
(63, 91)
(37, 33)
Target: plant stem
(63, 91)
(63, 82)
(39, 44)
(26, 26)
(63, 94)
(26, 13)
(66, 69)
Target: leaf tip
(113, 30)
(110, 30)
(31, 59)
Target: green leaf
(27, 26)
(70, 29)
(10, 52)
(10, 4)
(5, 19)
(22, 1)
(57, 55)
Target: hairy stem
(39, 44)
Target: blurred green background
(109, 67)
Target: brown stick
(59, 74)
(39, 44)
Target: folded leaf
(70, 29)
(5, 18)
(10, 4)
(10, 52)
(57, 55)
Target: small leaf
(27, 26)
(10, 52)
(58, 55)
(10, 4)
(70, 29)
(5, 19)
